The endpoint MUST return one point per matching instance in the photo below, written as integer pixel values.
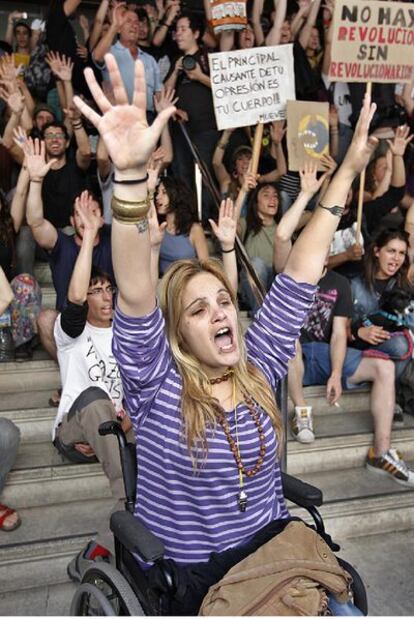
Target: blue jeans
(339, 610)
(9, 444)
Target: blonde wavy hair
(199, 408)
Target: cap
(43, 107)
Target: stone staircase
(60, 502)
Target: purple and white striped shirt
(196, 513)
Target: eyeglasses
(54, 136)
(107, 290)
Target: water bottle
(6, 345)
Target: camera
(189, 62)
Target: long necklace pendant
(242, 500)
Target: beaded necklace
(234, 444)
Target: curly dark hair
(182, 204)
(253, 222)
(384, 236)
(7, 233)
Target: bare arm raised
(306, 260)
(130, 142)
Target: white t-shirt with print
(86, 361)
(341, 99)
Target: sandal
(8, 511)
(55, 399)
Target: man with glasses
(67, 176)
(62, 249)
(91, 384)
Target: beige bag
(289, 575)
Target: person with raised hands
(91, 384)
(200, 396)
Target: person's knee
(384, 370)
(9, 434)
(46, 321)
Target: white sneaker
(302, 424)
(392, 465)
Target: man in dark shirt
(195, 104)
(63, 250)
(66, 177)
(326, 359)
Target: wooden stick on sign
(257, 144)
(361, 189)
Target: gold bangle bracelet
(131, 213)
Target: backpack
(289, 575)
(405, 391)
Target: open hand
(156, 230)
(401, 139)
(225, 229)
(165, 99)
(124, 127)
(362, 145)
(13, 98)
(309, 183)
(90, 217)
(35, 155)
(61, 66)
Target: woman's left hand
(401, 139)
(225, 229)
(123, 127)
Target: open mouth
(309, 138)
(224, 340)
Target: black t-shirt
(61, 37)
(63, 256)
(195, 98)
(60, 187)
(334, 298)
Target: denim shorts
(317, 360)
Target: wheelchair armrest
(136, 537)
(300, 492)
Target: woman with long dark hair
(184, 236)
(386, 267)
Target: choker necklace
(221, 379)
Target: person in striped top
(200, 397)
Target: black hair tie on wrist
(130, 181)
(228, 251)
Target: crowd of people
(97, 179)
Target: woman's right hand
(123, 127)
(35, 155)
(373, 335)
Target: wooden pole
(257, 145)
(358, 238)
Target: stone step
(335, 452)
(357, 502)
(35, 424)
(48, 297)
(50, 601)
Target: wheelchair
(124, 590)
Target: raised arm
(309, 185)
(219, 168)
(43, 231)
(104, 44)
(305, 33)
(397, 146)
(273, 38)
(257, 11)
(225, 231)
(130, 142)
(92, 222)
(70, 6)
(98, 22)
(18, 205)
(307, 258)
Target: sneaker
(302, 424)
(398, 419)
(390, 464)
(87, 556)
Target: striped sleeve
(141, 350)
(272, 336)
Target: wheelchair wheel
(104, 592)
(358, 587)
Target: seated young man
(92, 390)
(325, 359)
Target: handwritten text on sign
(251, 86)
(372, 41)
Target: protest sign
(373, 41)
(227, 15)
(251, 86)
(307, 132)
